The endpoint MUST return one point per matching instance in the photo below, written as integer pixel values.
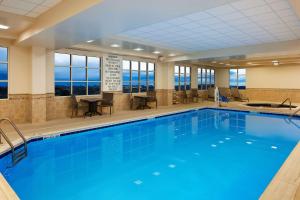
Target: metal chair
(76, 106)
(152, 97)
(108, 101)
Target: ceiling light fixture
(4, 27)
(214, 62)
(172, 54)
(115, 45)
(221, 63)
(156, 52)
(90, 41)
(138, 49)
(275, 62)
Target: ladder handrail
(294, 113)
(15, 156)
(16, 129)
(287, 99)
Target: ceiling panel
(244, 22)
(30, 8)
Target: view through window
(237, 78)
(138, 76)
(205, 78)
(3, 72)
(76, 74)
(182, 78)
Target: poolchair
(185, 97)
(195, 95)
(108, 101)
(224, 95)
(211, 93)
(237, 96)
(136, 103)
(152, 97)
(76, 106)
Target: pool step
(18, 156)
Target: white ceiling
(30, 8)
(240, 23)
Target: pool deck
(284, 186)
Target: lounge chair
(195, 95)
(224, 95)
(152, 97)
(76, 106)
(108, 101)
(185, 97)
(211, 94)
(237, 96)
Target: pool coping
(276, 184)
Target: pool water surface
(201, 154)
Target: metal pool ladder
(17, 153)
(294, 113)
(290, 103)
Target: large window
(206, 78)
(78, 75)
(182, 78)
(237, 78)
(3, 72)
(138, 76)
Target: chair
(224, 96)
(76, 106)
(211, 93)
(136, 103)
(152, 97)
(108, 101)
(185, 97)
(235, 93)
(195, 95)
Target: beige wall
(281, 77)
(276, 77)
(222, 77)
(19, 70)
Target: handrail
(16, 129)
(287, 99)
(294, 113)
(15, 156)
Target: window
(3, 73)
(78, 75)
(182, 78)
(138, 76)
(206, 78)
(237, 78)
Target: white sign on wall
(112, 73)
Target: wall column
(164, 83)
(38, 85)
(194, 78)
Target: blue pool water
(204, 154)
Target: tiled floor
(283, 186)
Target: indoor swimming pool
(199, 154)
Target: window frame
(8, 69)
(85, 67)
(237, 79)
(205, 85)
(184, 77)
(139, 76)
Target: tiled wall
(275, 95)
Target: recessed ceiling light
(156, 52)
(214, 62)
(115, 45)
(221, 63)
(138, 49)
(249, 63)
(172, 54)
(275, 62)
(228, 64)
(90, 41)
(4, 27)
